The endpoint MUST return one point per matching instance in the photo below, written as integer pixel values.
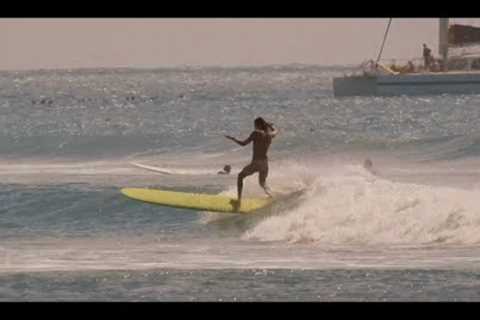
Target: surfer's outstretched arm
(242, 143)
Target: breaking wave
(351, 206)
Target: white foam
(350, 206)
(75, 168)
(178, 170)
(147, 252)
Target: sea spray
(354, 207)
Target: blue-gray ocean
(68, 138)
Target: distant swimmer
(262, 138)
(226, 170)
(368, 165)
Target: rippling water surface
(68, 139)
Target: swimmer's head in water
(368, 163)
(227, 168)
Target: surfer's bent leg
(262, 178)
(247, 171)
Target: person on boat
(226, 169)
(262, 138)
(410, 68)
(427, 56)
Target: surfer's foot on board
(267, 191)
(235, 204)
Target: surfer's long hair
(261, 124)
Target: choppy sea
(408, 232)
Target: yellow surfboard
(195, 201)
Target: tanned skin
(262, 138)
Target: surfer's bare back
(262, 138)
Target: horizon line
(183, 66)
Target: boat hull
(407, 84)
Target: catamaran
(451, 73)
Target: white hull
(408, 84)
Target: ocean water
(409, 232)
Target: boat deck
(430, 73)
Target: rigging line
(384, 39)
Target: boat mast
(384, 39)
(443, 41)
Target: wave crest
(351, 206)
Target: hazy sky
(74, 43)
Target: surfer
(262, 138)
